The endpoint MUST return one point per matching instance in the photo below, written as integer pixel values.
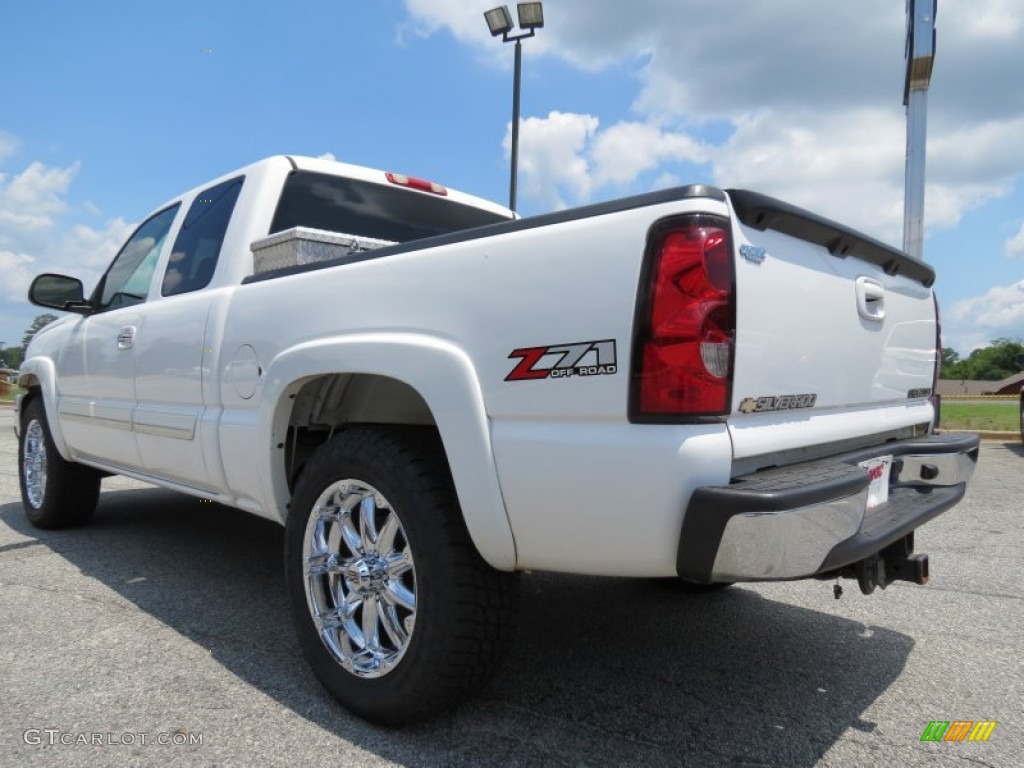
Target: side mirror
(59, 292)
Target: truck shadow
(600, 671)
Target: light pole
(920, 57)
(499, 21)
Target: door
(173, 353)
(96, 400)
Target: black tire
(463, 607)
(66, 493)
(677, 584)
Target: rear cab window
(196, 249)
(367, 209)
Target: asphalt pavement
(159, 635)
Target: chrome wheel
(33, 463)
(359, 578)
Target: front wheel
(55, 493)
(395, 610)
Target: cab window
(127, 280)
(197, 247)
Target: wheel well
(323, 405)
(33, 389)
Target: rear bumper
(812, 518)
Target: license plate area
(878, 470)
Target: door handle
(126, 337)
(870, 299)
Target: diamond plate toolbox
(301, 245)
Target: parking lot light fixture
(531, 15)
(499, 22)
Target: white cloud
(35, 237)
(624, 151)
(81, 251)
(997, 20)
(17, 274)
(847, 167)
(566, 158)
(850, 165)
(1015, 245)
(327, 156)
(22, 222)
(38, 189)
(552, 160)
(463, 18)
(974, 322)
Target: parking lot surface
(164, 624)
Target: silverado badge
(777, 403)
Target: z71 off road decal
(562, 361)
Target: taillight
(686, 322)
(421, 184)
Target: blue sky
(110, 108)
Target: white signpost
(920, 56)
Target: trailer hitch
(897, 562)
(879, 571)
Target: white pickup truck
(697, 385)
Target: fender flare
(444, 376)
(44, 374)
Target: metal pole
(515, 126)
(920, 58)
(913, 201)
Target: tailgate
(835, 331)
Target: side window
(197, 247)
(127, 280)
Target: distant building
(1008, 386)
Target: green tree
(40, 322)
(949, 359)
(1003, 358)
(11, 357)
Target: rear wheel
(395, 610)
(55, 493)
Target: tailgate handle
(870, 299)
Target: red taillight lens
(686, 322)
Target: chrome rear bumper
(811, 518)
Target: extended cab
(430, 394)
